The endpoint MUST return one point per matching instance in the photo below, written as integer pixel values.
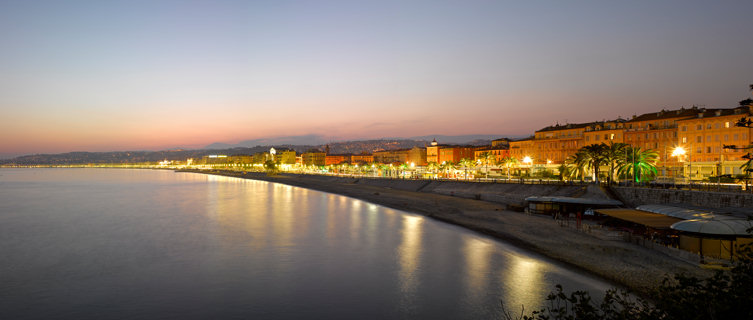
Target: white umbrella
(727, 227)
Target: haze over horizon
(151, 75)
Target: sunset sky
(149, 75)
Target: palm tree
(487, 158)
(403, 169)
(641, 163)
(508, 162)
(578, 165)
(270, 167)
(432, 167)
(465, 163)
(593, 156)
(564, 171)
(446, 166)
(747, 168)
(614, 153)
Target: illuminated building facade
(704, 136)
(522, 148)
(336, 159)
(499, 152)
(313, 158)
(604, 132)
(363, 158)
(552, 145)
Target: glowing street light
(680, 151)
(528, 161)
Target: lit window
(684, 139)
(726, 124)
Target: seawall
(719, 200)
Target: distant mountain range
(309, 139)
(313, 139)
(247, 147)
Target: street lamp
(678, 152)
(528, 161)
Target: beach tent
(717, 238)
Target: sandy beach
(631, 266)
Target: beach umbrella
(727, 227)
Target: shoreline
(630, 266)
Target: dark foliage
(726, 295)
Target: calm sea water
(140, 244)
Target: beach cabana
(716, 238)
(648, 219)
(566, 205)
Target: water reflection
(524, 279)
(409, 252)
(477, 253)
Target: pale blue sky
(109, 75)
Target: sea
(92, 243)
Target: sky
(153, 75)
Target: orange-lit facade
(391, 156)
(704, 136)
(286, 156)
(501, 142)
(432, 152)
(604, 132)
(499, 152)
(456, 153)
(520, 149)
(315, 158)
(658, 131)
(336, 159)
(449, 153)
(415, 156)
(552, 145)
(362, 158)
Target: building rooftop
(690, 113)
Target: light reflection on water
(96, 243)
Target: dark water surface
(141, 244)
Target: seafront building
(701, 133)
(692, 143)
(313, 158)
(499, 151)
(362, 158)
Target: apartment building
(553, 144)
(704, 136)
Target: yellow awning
(652, 220)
